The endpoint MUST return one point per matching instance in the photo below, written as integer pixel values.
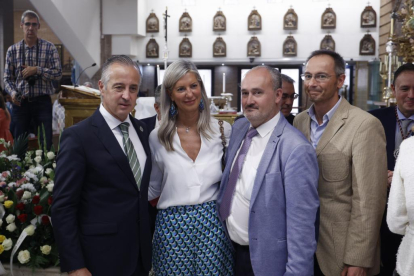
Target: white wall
(347, 34)
(120, 17)
(76, 23)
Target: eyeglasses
(317, 77)
(34, 25)
(293, 96)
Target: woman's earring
(201, 105)
(173, 110)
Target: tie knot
(124, 127)
(252, 132)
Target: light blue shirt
(316, 129)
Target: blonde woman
(187, 152)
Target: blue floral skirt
(190, 240)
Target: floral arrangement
(26, 185)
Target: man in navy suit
(100, 208)
(268, 195)
(153, 121)
(392, 118)
(288, 97)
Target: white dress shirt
(238, 221)
(113, 124)
(177, 179)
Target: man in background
(154, 121)
(288, 97)
(32, 65)
(397, 122)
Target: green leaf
(20, 145)
(44, 195)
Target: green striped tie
(130, 152)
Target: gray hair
(121, 59)
(287, 79)
(30, 14)
(338, 60)
(274, 74)
(167, 129)
(157, 94)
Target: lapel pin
(140, 128)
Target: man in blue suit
(100, 208)
(268, 195)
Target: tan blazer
(352, 188)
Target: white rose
(39, 152)
(31, 167)
(50, 187)
(1, 198)
(28, 160)
(37, 159)
(29, 230)
(43, 180)
(24, 256)
(7, 244)
(50, 155)
(26, 195)
(48, 171)
(11, 227)
(46, 249)
(54, 165)
(10, 218)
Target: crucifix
(165, 15)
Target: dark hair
(338, 60)
(286, 78)
(3, 106)
(405, 67)
(157, 94)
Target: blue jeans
(38, 109)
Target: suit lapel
(238, 137)
(106, 136)
(336, 122)
(268, 154)
(306, 129)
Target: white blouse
(400, 215)
(177, 179)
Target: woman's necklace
(187, 129)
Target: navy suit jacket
(150, 122)
(100, 218)
(389, 122)
(284, 201)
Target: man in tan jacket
(350, 146)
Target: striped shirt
(48, 68)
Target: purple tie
(234, 175)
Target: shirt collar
(266, 128)
(111, 120)
(402, 117)
(328, 116)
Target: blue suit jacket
(284, 202)
(100, 219)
